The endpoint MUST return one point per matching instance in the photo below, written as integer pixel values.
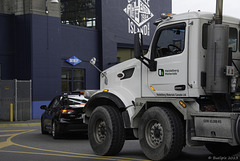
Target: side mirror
(43, 107)
(138, 44)
(93, 62)
(138, 52)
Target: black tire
(42, 129)
(106, 131)
(222, 149)
(55, 130)
(161, 134)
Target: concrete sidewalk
(34, 122)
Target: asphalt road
(28, 144)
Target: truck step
(211, 139)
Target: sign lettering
(139, 15)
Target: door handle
(180, 87)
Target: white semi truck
(184, 92)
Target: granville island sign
(139, 15)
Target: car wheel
(106, 131)
(161, 134)
(42, 128)
(55, 130)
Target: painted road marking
(10, 130)
(20, 124)
(9, 142)
(5, 144)
(6, 135)
(71, 156)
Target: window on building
(124, 54)
(73, 80)
(79, 12)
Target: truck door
(169, 50)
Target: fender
(106, 98)
(103, 98)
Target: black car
(64, 114)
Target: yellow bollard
(11, 112)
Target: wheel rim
(100, 131)
(53, 129)
(154, 134)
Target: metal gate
(18, 93)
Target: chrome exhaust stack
(219, 11)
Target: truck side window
(232, 42)
(170, 40)
(204, 35)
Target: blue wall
(52, 43)
(15, 48)
(7, 46)
(82, 43)
(23, 47)
(46, 57)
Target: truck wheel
(222, 149)
(161, 134)
(106, 131)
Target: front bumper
(68, 125)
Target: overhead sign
(73, 60)
(139, 15)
